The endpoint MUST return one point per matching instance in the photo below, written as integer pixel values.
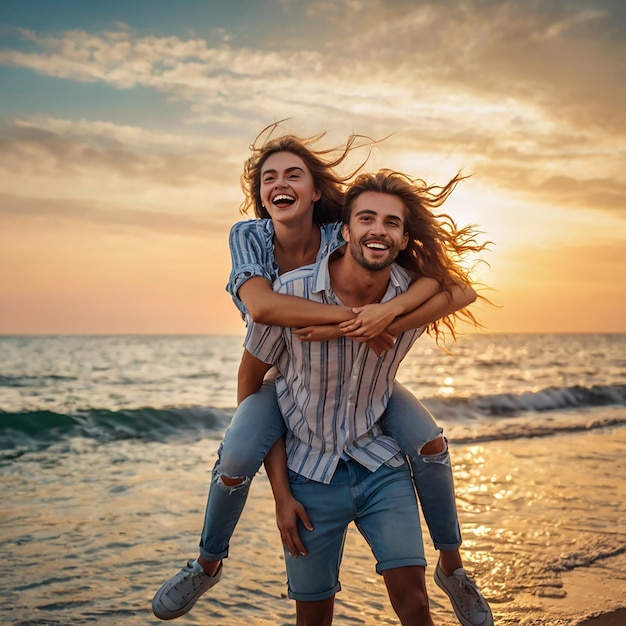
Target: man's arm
(250, 375)
(288, 509)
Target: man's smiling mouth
(376, 245)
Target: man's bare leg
(317, 613)
(406, 587)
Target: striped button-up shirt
(252, 253)
(332, 394)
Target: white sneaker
(180, 592)
(467, 601)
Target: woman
(287, 180)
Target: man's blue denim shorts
(383, 506)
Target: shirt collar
(398, 280)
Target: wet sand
(616, 618)
(90, 536)
(542, 520)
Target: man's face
(375, 233)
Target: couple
(335, 383)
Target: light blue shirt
(332, 394)
(252, 253)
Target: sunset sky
(124, 126)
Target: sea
(107, 444)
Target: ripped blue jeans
(258, 423)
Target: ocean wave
(504, 405)
(525, 429)
(586, 556)
(550, 411)
(21, 380)
(551, 399)
(478, 418)
(589, 548)
(36, 429)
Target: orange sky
(122, 138)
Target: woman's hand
(288, 511)
(370, 321)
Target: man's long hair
(437, 247)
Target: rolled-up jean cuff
(314, 597)
(213, 557)
(448, 547)
(381, 567)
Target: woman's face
(287, 188)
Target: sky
(124, 126)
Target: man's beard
(356, 249)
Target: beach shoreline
(531, 527)
(105, 473)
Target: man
(332, 394)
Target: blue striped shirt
(252, 253)
(332, 394)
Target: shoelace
(196, 581)
(469, 593)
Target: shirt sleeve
(249, 257)
(266, 343)
(333, 236)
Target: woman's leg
(417, 433)
(255, 427)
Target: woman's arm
(265, 306)
(373, 319)
(435, 308)
(381, 343)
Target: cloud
(53, 214)
(41, 151)
(121, 165)
(187, 69)
(529, 51)
(603, 194)
(527, 94)
(382, 59)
